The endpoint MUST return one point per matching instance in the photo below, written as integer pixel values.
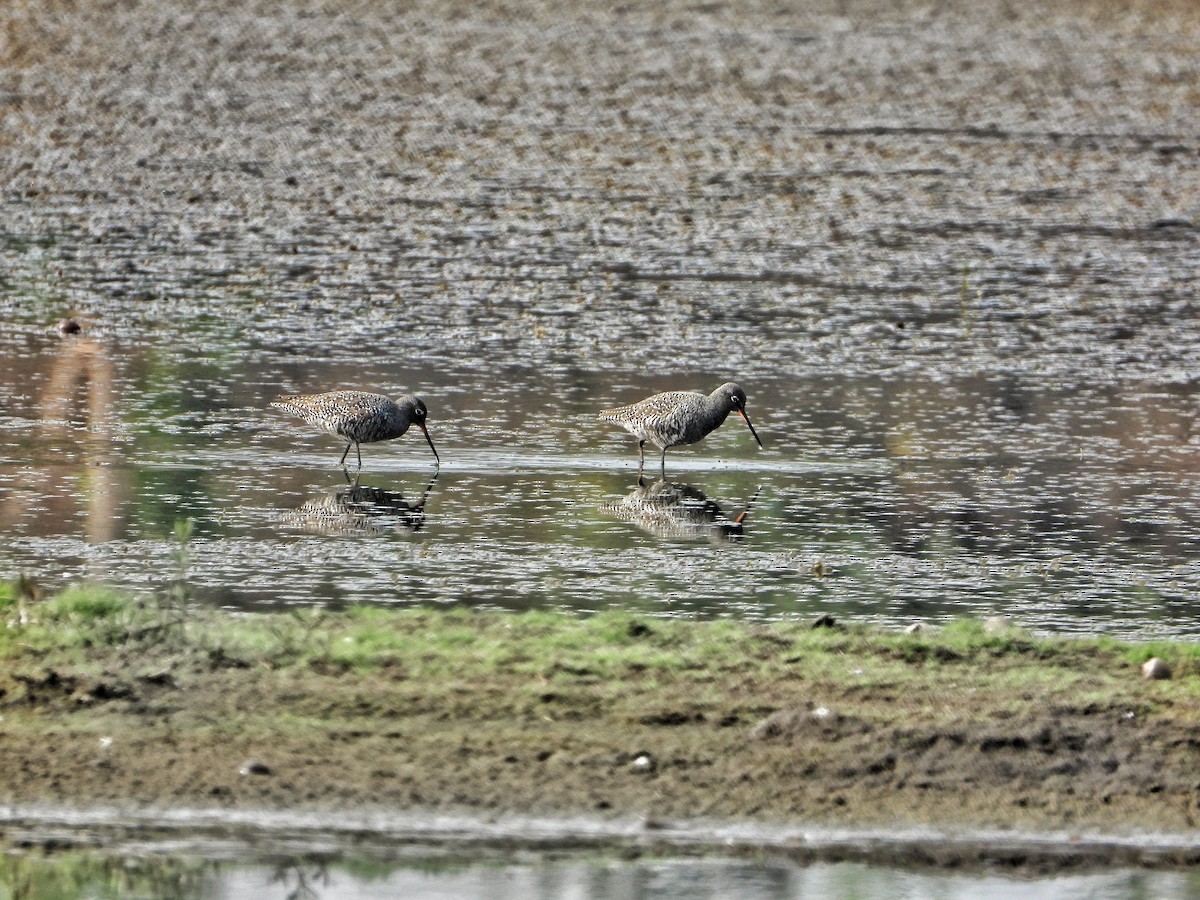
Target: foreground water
(57, 854)
(593, 878)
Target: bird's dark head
(413, 406)
(736, 398)
(418, 414)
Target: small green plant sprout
(27, 593)
(173, 606)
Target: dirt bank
(616, 716)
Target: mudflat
(598, 181)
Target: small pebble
(254, 767)
(914, 628)
(1155, 669)
(643, 763)
(68, 326)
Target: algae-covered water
(588, 879)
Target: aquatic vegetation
(436, 641)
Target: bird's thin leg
(641, 457)
(358, 450)
(664, 464)
(342, 461)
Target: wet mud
(1083, 772)
(949, 251)
(755, 188)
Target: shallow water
(1068, 507)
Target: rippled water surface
(1067, 505)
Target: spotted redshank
(359, 417)
(678, 417)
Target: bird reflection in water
(360, 509)
(670, 509)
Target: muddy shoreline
(480, 717)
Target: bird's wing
(667, 403)
(658, 406)
(358, 409)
